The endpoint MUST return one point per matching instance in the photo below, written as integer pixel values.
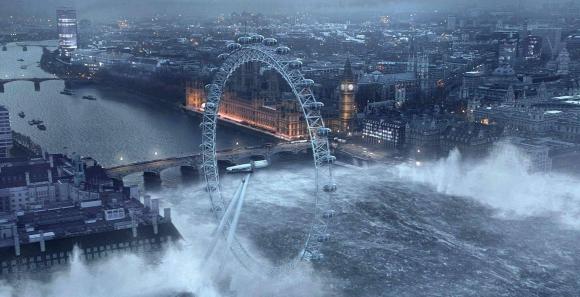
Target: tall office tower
(67, 30)
(451, 23)
(347, 100)
(5, 132)
(524, 39)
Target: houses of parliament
(258, 97)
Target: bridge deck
(231, 155)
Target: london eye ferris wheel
(256, 48)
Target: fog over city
(109, 9)
(548, 203)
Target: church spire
(510, 96)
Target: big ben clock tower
(347, 103)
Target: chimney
(147, 201)
(42, 243)
(167, 214)
(133, 225)
(155, 224)
(155, 206)
(16, 240)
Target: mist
(502, 181)
(179, 269)
(182, 268)
(385, 216)
(112, 10)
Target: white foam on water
(503, 181)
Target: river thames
(120, 127)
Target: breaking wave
(179, 270)
(503, 181)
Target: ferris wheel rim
(289, 69)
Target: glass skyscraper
(67, 30)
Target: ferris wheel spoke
(240, 203)
(227, 214)
(225, 220)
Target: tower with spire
(473, 103)
(422, 75)
(510, 96)
(543, 92)
(347, 104)
(563, 61)
(464, 90)
(412, 60)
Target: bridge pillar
(364, 164)
(68, 84)
(37, 86)
(1, 87)
(151, 175)
(152, 180)
(117, 182)
(188, 170)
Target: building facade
(537, 155)
(384, 132)
(44, 223)
(67, 30)
(194, 95)
(471, 139)
(284, 118)
(256, 97)
(5, 133)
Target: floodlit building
(383, 131)
(283, 118)
(67, 30)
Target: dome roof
(504, 70)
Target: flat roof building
(5, 132)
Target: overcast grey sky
(135, 8)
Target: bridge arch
(35, 81)
(258, 49)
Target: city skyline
(94, 9)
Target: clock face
(350, 87)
